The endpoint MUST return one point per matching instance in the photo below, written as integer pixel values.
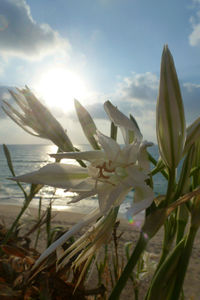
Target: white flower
(110, 174)
(36, 119)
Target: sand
(66, 219)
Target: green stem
(154, 162)
(168, 226)
(14, 224)
(183, 263)
(171, 185)
(39, 216)
(182, 220)
(140, 247)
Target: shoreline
(64, 215)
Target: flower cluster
(111, 172)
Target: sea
(28, 158)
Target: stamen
(104, 168)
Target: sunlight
(59, 86)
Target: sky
(95, 50)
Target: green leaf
(10, 165)
(164, 280)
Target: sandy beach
(66, 219)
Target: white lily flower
(111, 174)
(36, 119)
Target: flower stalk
(133, 260)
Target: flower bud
(170, 118)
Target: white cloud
(22, 36)
(138, 87)
(191, 98)
(194, 37)
(135, 94)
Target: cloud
(21, 36)
(194, 37)
(139, 88)
(4, 95)
(135, 94)
(191, 98)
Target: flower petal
(111, 148)
(135, 175)
(125, 124)
(56, 175)
(84, 155)
(82, 195)
(111, 196)
(129, 154)
(103, 191)
(143, 197)
(87, 123)
(143, 160)
(84, 186)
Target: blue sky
(96, 50)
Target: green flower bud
(170, 119)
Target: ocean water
(27, 158)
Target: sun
(58, 87)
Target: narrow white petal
(119, 119)
(111, 196)
(103, 191)
(130, 153)
(85, 155)
(143, 197)
(82, 195)
(111, 148)
(56, 175)
(135, 175)
(143, 160)
(84, 186)
(87, 123)
(116, 197)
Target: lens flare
(133, 222)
